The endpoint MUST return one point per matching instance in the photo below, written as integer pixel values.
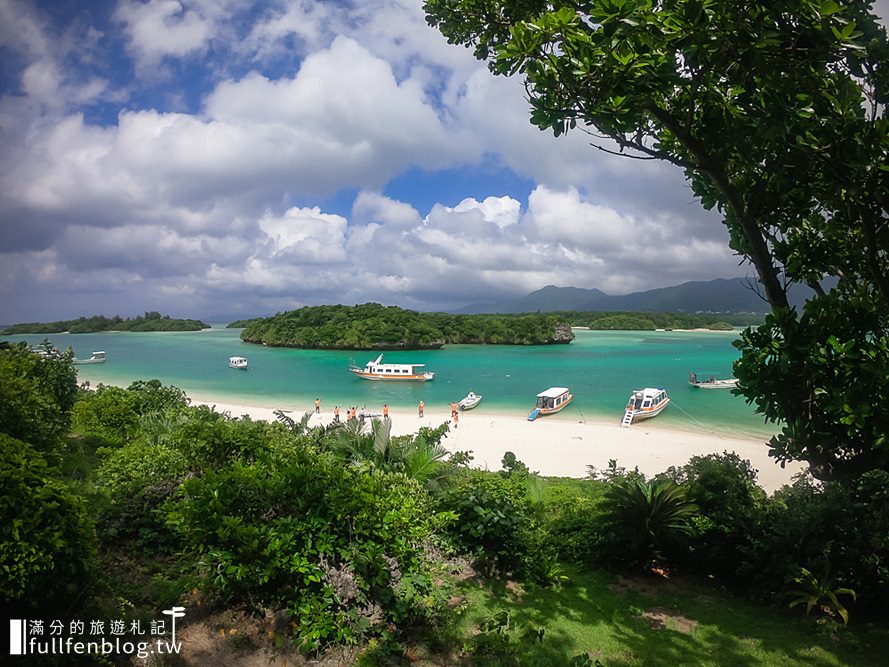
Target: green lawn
(615, 620)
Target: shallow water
(600, 367)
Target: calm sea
(601, 368)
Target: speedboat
(95, 358)
(711, 382)
(377, 370)
(551, 401)
(645, 404)
(472, 399)
(237, 362)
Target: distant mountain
(722, 295)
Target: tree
(774, 109)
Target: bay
(600, 367)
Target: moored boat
(95, 358)
(551, 401)
(645, 404)
(711, 381)
(377, 370)
(238, 362)
(472, 399)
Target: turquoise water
(600, 367)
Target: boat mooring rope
(701, 424)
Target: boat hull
(83, 362)
(469, 404)
(716, 384)
(543, 412)
(640, 415)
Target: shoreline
(552, 446)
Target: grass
(651, 621)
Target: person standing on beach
(456, 419)
(317, 406)
(385, 411)
(453, 409)
(336, 413)
(422, 405)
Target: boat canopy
(237, 360)
(553, 392)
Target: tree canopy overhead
(775, 110)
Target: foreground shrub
(46, 540)
(339, 548)
(36, 394)
(812, 525)
(730, 504)
(115, 414)
(649, 521)
(494, 520)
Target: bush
(340, 548)
(36, 394)
(134, 481)
(649, 521)
(730, 504)
(493, 520)
(842, 528)
(109, 413)
(114, 414)
(46, 542)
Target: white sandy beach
(559, 445)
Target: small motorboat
(472, 399)
(238, 362)
(645, 404)
(551, 401)
(95, 358)
(711, 381)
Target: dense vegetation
(650, 321)
(344, 536)
(372, 326)
(150, 321)
(777, 114)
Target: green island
(345, 543)
(371, 326)
(150, 321)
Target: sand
(558, 445)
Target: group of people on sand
(353, 413)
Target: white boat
(237, 362)
(551, 401)
(711, 382)
(377, 370)
(95, 358)
(472, 399)
(645, 404)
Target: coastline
(555, 446)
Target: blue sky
(219, 157)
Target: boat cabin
(552, 398)
(237, 362)
(644, 400)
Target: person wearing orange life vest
(422, 405)
(385, 411)
(453, 409)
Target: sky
(223, 159)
